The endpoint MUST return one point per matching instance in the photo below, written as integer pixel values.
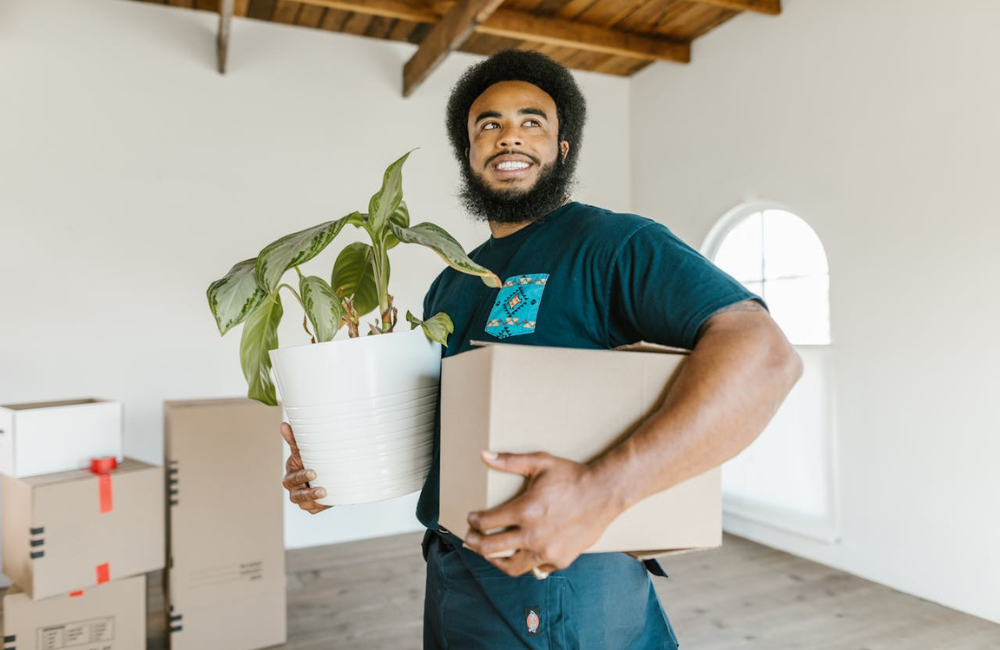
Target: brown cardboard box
(570, 403)
(74, 530)
(226, 576)
(111, 616)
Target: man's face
(513, 136)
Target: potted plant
(362, 408)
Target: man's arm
(739, 372)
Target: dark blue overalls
(603, 601)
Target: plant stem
(294, 292)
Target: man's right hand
(297, 478)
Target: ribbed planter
(362, 411)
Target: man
(576, 276)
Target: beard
(512, 205)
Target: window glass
(776, 255)
(741, 251)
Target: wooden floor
(368, 596)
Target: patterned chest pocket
(516, 308)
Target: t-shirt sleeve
(662, 290)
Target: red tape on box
(74, 594)
(102, 467)
(103, 573)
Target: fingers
(286, 433)
(307, 496)
(521, 563)
(519, 513)
(497, 545)
(298, 478)
(523, 464)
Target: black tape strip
(176, 628)
(9, 638)
(37, 554)
(176, 617)
(37, 542)
(173, 491)
(171, 470)
(38, 531)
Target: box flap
(638, 346)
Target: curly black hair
(518, 65)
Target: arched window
(775, 254)
(786, 479)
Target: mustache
(508, 152)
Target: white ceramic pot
(350, 398)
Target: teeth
(511, 166)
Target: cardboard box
(74, 530)
(575, 404)
(109, 617)
(226, 575)
(49, 437)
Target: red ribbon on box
(103, 573)
(74, 594)
(103, 467)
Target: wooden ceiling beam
(552, 31)
(222, 38)
(395, 9)
(454, 28)
(769, 7)
(528, 27)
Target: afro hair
(518, 65)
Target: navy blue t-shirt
(581, 277)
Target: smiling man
(582, 277)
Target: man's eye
(531, 123)
(489, 126)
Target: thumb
(523, 464)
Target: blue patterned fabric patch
(516, 308)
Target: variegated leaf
(297, 248)
(435, 237)
(401, 217)
(322, 307)
(260, 336)
(388, 198)
(233, 297)
(436, 328)
(354, 277)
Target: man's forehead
(510, 94)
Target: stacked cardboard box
(226, 575)
(80, 528)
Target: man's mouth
(511, 162)
(512, 165)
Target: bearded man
(583, 277)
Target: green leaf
(388, 198)
(354, 277)
(436, 328)
(232, 298)
(401, 217)
(260, 336)
(322, 307)
(297, 248)
(435, 237)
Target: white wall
(132, 174)
(876, 122)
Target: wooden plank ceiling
(618, 37)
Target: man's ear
(466, 153)
(564, 149)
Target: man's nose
(510, 139)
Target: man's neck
(501, 230)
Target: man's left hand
(562, 512)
